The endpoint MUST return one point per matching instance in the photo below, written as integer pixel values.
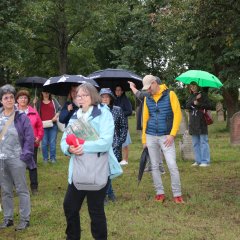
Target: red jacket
(36, 124)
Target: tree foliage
(162, 37)
(205, 35)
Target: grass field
(212, 196)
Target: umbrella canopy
(110, 78)
(31, 82)
(143, 161)
(202, 78)
(61, 85)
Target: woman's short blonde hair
(92, 91)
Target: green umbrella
(202, 78)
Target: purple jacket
(26, 138)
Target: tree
(128, 37)
(56, 25)
(12, 34)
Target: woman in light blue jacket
(100, 119)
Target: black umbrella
(34, 82)
(31, 82)
(61, 85)
(143, 161)
(110, 78)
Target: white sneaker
(195, 164)
(204, 165)
(124, 162)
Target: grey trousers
(13, 174)
(155, 144)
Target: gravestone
(235, 129)
(183, 124)
(220, 112)
(186, 148)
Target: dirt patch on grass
(223, 186)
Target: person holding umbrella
(48, 109)
(161, 121)
(123, 102)
(198, 128)
(23, 100)
(120, 131)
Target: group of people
(106, 115)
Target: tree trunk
(231, 102)
(63, 60)
(62, 46)
(62, 68)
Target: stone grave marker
(186, 148)
(184, 123)
(220, 112)
(235, 129)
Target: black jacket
(65, 115)
(124, 103)
(197, 124)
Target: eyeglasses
(23, 97)
(8, 98)
(82, 96)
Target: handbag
(61, 126)
(47, 123)
(207, 116)
(90, 171)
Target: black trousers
(33, 172)
(72, 205)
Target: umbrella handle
(35, 95)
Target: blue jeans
(49, 140)
(201, 148)
(155, 144)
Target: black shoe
(105, 201)
(6, 223)
(22, 225)
(161, 168)
(34, 191)
(112, 198)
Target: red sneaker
(160, 198)
(178, 199)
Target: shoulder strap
(7, 124)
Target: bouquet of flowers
(82, 129)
